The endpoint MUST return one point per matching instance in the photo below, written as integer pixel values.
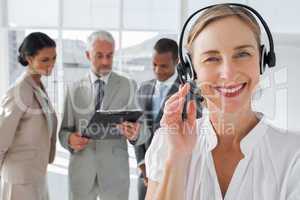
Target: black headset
(185, 68)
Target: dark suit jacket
(144, 95)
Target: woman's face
(226, 60)
(43, 62)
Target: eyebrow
(236, 48)
(210, 52)
(244, 46)
(101, 53)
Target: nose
(228, 70)
(52, 64)
(105, 61)
(157, 69)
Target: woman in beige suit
(28, 124)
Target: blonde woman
(28, 124)
(232, 152)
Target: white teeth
(232, 90)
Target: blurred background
(136, 25)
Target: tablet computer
(102, 125)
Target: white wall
(1, 13)
(280, 96)
(289, 58)
(282, 16)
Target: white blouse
(270, 169)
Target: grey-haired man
(98, 168)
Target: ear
(29, 59)
(87, 54)
(177, 61)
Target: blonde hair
(220, 12)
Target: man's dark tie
(100, 93)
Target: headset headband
(271, 53)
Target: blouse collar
(247, 144)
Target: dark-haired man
(152, 95)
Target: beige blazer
(28, 126)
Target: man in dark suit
(152, 95)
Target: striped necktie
(100, 93)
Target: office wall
(280, 97)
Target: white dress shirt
(169, 82)
(94, 78)
(270, 169)
(104, 78)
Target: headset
(185, 68)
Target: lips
(231, 90)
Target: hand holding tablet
(103, 124)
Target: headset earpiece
(271, 58)
(181, 72)
(186, 70)
(263, 59)
(266, 59)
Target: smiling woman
(231, 152)
(227, 68)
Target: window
(135, 26)
(91, 14)
(33, 13)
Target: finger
(129, 124)
(76, 147)
(82, 146)
(132, 137)
(130, 133)
(175, 107)
(77, 134)
(86, 140)
(82, 141)
(124, 130)
(173, 96)
(180, 94)
(172, 112)
(125, 123)
(192, 112)
(184, 90)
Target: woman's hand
(181, 137)
(181, 133)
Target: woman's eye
(212, 59)
(242, 55)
